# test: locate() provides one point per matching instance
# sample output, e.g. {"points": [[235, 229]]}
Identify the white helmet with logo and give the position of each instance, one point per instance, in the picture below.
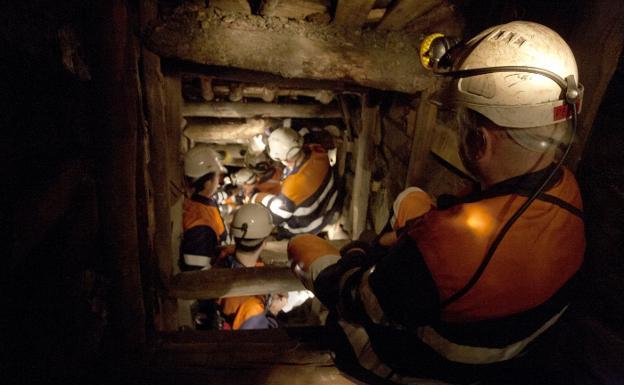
{"points": [[258, 161], [201, 160], [514, 98], [284, 144], [252, 222], [244, 176]]}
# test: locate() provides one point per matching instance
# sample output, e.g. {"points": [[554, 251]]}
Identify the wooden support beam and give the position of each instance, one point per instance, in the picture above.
{"points": [[268, 93], [119, 206], [403, 11], [596, 62], [298, 49], [174, 126], [293, 356], [364, 153], [154, 98], [424, 133], [260, 110], [434, 19], [233, 6], [293, 9], [198, 131], [220, 283], [353, 13]]}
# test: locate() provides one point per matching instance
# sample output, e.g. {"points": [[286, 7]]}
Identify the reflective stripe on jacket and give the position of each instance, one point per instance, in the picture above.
{"points": [[522, 292], [409, 204], [307, 195], [204, 231]]}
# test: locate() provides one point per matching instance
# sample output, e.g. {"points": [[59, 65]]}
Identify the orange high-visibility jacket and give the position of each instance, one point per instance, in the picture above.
{"points": [[203, 232], [307, 195], [522, 292]]}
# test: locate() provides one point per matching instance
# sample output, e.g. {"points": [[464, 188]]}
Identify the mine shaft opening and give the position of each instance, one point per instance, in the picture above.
{"points": [[226, 110]]}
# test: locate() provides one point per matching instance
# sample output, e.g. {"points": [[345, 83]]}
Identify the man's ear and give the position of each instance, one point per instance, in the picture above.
{"points": [[477, 143]]}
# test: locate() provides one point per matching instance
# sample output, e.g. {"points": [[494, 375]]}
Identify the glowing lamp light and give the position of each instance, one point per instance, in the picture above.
{"points": [[479, 221]]}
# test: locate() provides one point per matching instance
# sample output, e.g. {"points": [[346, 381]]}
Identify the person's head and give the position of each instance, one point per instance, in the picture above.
{"points": [[285, 145], [245, 178], [251, 225], [511, 120], [202, 168], [259, 162]]}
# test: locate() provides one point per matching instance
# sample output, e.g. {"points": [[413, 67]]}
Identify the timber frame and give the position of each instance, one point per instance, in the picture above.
{"points": [[172, 47]]}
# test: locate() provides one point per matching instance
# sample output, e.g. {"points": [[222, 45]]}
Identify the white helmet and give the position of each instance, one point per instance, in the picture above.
{"points": [[514, 98], [244, 176], [251, 222], [284, 144], [258, 161], [201, 160]]}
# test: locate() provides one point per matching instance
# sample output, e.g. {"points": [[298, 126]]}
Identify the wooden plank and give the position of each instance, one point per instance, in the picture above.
{"points": [[270, 356], [154, 95], [363, 167], [403, 11], [174, 126], [260, 110], [298, 49], [233, 6], [596, 62], [257, 77], [353, 13], [432, 20], [268, 93], [293, 9], [229, 132], [121, 95], [424, 133], [220, 283]]}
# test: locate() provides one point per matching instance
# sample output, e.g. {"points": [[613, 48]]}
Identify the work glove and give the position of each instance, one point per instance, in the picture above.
{"points": [[309, 255]]}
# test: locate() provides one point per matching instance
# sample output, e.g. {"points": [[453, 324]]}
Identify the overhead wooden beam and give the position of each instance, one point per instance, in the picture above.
{"points": [[403, 11], [387, 61], [235, 6], [220, 283], [293, 9], [260, 110], [353, 13], [229, 132]]}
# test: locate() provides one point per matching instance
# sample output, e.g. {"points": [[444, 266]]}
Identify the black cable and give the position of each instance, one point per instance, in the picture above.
{"points": [[501, 234], [482, 71]]}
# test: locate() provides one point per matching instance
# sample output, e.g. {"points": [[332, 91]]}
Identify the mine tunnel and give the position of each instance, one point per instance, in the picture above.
{"points": [[105, 104]]}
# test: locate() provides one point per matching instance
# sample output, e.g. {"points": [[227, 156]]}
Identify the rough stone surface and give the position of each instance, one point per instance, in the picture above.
{"points": [[291, 48]]}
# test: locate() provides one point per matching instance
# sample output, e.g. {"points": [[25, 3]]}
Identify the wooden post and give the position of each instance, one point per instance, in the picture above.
{"points": [[352, 13], [121, 96], [174, 126], [403, 11], [597, 42], [363, 164], [424, 132], [158, 167]]}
